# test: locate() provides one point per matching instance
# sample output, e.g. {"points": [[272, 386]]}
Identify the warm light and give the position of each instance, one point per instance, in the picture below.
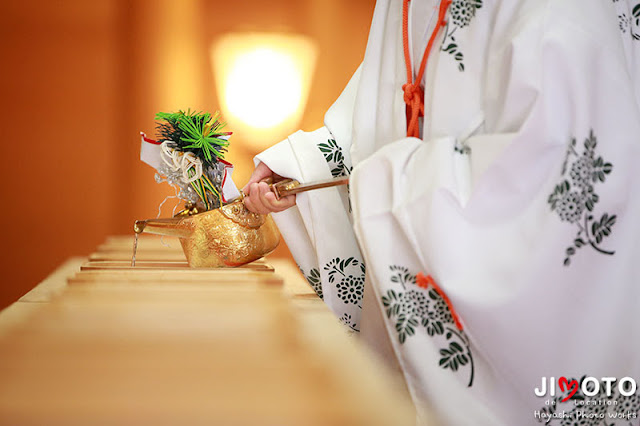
{"points": [[264, 87], [263, 82]]}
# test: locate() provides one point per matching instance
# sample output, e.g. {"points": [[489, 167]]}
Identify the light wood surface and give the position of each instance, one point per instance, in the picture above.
{"points": [[99, 342]]}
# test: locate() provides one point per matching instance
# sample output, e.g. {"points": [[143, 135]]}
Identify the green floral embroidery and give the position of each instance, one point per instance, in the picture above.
{"points": [[348, 276], [346, 320], [574, 198], [631, 23], [335, 159], [604, 409], [461, 12], [624, 22], [314, 281], [415, 308]]}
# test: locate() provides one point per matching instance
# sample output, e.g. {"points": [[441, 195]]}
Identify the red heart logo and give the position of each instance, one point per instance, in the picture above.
{"points": [[568, 385]]}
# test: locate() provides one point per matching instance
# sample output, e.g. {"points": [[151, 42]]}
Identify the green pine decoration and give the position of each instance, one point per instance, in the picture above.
{"points": [[199, 133]]}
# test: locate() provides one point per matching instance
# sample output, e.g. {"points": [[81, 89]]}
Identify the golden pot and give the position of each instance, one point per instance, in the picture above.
{"points": [[225, 237]]}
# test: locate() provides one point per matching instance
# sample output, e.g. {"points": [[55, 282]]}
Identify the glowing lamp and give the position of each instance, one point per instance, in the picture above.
{"points": [[263, 82]]}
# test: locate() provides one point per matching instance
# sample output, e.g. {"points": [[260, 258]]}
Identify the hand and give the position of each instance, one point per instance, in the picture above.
{"points": [[259, 198]]}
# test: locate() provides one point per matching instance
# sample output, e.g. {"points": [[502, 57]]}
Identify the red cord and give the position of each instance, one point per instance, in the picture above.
{"points": [[424, 282], [413, 93]]}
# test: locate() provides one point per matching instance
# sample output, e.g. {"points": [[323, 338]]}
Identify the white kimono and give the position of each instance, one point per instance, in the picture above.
{"points": [[521, 201]]}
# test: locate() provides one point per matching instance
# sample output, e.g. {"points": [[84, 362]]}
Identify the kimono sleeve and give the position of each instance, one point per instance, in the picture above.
{"points": [[318, 229]]}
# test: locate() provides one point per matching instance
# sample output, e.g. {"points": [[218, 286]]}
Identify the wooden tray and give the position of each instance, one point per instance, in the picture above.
{"points": [[95, 265]]}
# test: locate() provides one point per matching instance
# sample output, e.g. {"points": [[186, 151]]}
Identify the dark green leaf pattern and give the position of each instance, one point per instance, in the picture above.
{"points": [[574, 198], [402, 276], [603, 411], [405, 326], [602, 228], [314, 281], [453, 357], [413, 307], [334, 157], [461, 14]]}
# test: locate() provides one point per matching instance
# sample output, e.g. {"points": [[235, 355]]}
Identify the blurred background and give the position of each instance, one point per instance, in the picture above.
{"points": [[81, 79]]}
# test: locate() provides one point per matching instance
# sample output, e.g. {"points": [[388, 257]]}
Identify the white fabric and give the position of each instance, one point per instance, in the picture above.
{"points": [[229, 189], [315, 230], [150, 153], [521, 201]]}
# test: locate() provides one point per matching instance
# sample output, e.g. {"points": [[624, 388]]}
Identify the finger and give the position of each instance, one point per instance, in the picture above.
{"points": [[271, 200], [281, 204], [268, 199], [256, 200], [249, 205]]}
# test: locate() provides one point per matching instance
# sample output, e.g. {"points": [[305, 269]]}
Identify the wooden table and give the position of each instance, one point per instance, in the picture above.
{"points": [[99, 342]]}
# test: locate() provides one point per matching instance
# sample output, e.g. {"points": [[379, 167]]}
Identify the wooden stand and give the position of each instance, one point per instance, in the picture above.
{"points": [[100, 342]]}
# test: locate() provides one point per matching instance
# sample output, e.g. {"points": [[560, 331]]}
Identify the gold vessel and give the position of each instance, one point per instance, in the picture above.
{"points": [[231, 235], [225, 237]]}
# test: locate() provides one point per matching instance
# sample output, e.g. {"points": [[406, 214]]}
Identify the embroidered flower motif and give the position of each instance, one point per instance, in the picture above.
{"points": [[629, 23], [440, 310], [574, 198], [348, 276], [624, 22], [461, 12], [570, 207], [581, 171], [421, 306], [415, 303], [351, 289], [630, 404]]}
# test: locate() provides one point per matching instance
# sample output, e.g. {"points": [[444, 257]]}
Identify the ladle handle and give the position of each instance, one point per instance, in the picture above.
{"points": [[290, 186]]}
